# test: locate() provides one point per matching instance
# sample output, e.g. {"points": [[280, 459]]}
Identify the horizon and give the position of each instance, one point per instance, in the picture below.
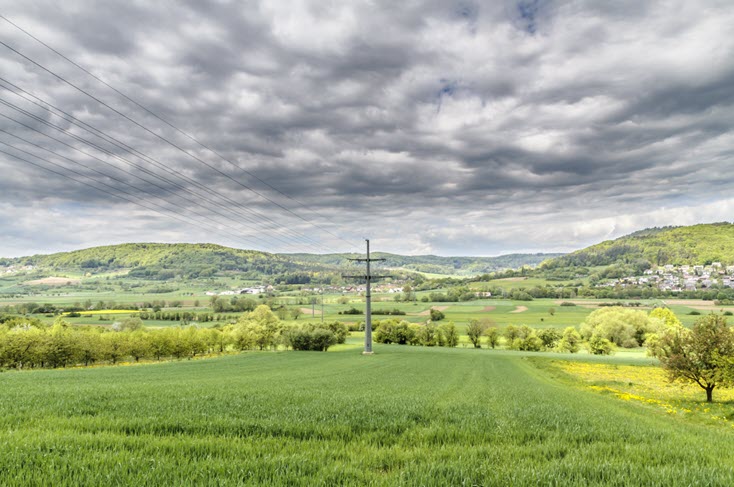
{"points": [[462, 130], [272, 253]]}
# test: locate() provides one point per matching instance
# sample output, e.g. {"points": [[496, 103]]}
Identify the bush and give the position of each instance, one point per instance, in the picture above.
{"points": [[549, 337], [437, 315], [570, 341], [598, 345], [319, 339], [568, 303], [694, 312], [393, 312], [351, 311]]}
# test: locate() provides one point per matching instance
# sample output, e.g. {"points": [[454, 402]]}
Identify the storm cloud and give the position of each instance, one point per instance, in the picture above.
{"points": [[455, 128]]}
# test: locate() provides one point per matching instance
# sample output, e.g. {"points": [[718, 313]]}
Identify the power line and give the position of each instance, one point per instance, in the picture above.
{"points": [[138, 154], [191, 137], [154, 162], [184, 220], [172, 144], [135, 188]]}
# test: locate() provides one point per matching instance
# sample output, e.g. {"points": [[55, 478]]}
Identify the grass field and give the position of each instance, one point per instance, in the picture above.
{"points": [[405, 416]]}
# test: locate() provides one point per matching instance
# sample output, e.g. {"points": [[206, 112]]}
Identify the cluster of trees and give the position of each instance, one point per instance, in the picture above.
{"points": [[452, 295], [25, 344], [524, 338], [623, 327], [262, 330], [184, 316], [28, 343], [389, 312], [428, 334], [234, 304]]}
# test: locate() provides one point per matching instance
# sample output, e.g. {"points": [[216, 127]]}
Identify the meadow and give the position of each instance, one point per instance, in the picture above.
{"points": [[405, 416]]}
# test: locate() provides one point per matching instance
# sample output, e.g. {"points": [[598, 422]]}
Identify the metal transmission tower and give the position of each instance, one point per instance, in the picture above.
{"points": [[368, 312]]}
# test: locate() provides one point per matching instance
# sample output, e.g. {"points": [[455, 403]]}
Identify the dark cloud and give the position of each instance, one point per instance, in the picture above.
{"points": [[451, 128]]}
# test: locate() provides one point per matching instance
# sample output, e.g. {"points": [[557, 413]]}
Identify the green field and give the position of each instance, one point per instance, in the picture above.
{"points": [[405, 416]]}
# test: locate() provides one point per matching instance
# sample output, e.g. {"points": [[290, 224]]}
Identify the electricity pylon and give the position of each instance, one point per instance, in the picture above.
{"points": [[368, 277]]}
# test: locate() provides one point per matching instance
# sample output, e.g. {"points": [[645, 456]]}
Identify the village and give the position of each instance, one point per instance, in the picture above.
{"points": [[679, 278]]}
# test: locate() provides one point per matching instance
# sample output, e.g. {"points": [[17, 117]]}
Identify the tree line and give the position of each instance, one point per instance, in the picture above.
{"points": [[28, 343]]}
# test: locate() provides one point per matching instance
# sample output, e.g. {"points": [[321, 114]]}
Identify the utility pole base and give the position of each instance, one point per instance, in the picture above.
{"points": [[368, 353]]}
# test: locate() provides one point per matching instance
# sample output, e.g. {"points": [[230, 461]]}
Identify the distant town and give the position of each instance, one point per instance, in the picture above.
{"points": [[679, 278]]}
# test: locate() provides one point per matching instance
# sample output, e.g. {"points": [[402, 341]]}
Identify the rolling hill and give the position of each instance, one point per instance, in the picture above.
{"points": [[163, 261], [695, 244]]}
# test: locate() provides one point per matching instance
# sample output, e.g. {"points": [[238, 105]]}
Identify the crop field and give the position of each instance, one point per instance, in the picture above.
{"points": [[405, 416]]}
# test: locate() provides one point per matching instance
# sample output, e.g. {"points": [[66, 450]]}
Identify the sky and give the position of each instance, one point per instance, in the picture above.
{"points": [[436, 127]]}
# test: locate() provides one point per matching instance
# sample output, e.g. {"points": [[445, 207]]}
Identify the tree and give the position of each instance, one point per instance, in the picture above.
{"points": [[665, 316], [626, 328], [552, 311], [570, 341], [408, 294], [475, 330], [296, 312], [703, 355], [217, 305], [493, 336], [598, 345], [549, 337], [429, 335], [450, 334], [511, 333]]}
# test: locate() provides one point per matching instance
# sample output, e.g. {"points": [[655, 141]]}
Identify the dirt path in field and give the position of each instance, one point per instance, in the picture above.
{"points": [[489, 308], [54, 281], [428, 311], [519, 309], [693, 303], [307, 311]]}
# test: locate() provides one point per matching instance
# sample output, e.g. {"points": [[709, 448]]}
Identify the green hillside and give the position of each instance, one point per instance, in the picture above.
{"points": [[156, 260], [696, 244], [161, 260]]}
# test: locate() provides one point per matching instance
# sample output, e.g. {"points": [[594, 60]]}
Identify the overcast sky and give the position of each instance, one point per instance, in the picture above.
{"points": [[452, 128]]}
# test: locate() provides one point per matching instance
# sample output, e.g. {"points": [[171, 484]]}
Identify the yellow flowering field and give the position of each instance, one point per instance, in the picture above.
{"points": [[649, 385]]}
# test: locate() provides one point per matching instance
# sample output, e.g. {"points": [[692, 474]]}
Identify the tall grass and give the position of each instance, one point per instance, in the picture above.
{"points": [[405, 416]]}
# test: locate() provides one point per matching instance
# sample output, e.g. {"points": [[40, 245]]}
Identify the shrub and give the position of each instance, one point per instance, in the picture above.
{"points": [[694, 312], [570, 341], [437, 315], [568, 303], [598, 345], [318, 339], [549, 337]]}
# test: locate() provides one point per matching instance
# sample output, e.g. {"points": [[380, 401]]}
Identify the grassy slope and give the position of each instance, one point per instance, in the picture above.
{"points": [[410, 416]]}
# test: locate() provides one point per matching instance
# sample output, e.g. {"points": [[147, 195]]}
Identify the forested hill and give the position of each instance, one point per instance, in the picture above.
{"points": [[696, 244], [163, 261], [160, 260], [432, 263]]}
